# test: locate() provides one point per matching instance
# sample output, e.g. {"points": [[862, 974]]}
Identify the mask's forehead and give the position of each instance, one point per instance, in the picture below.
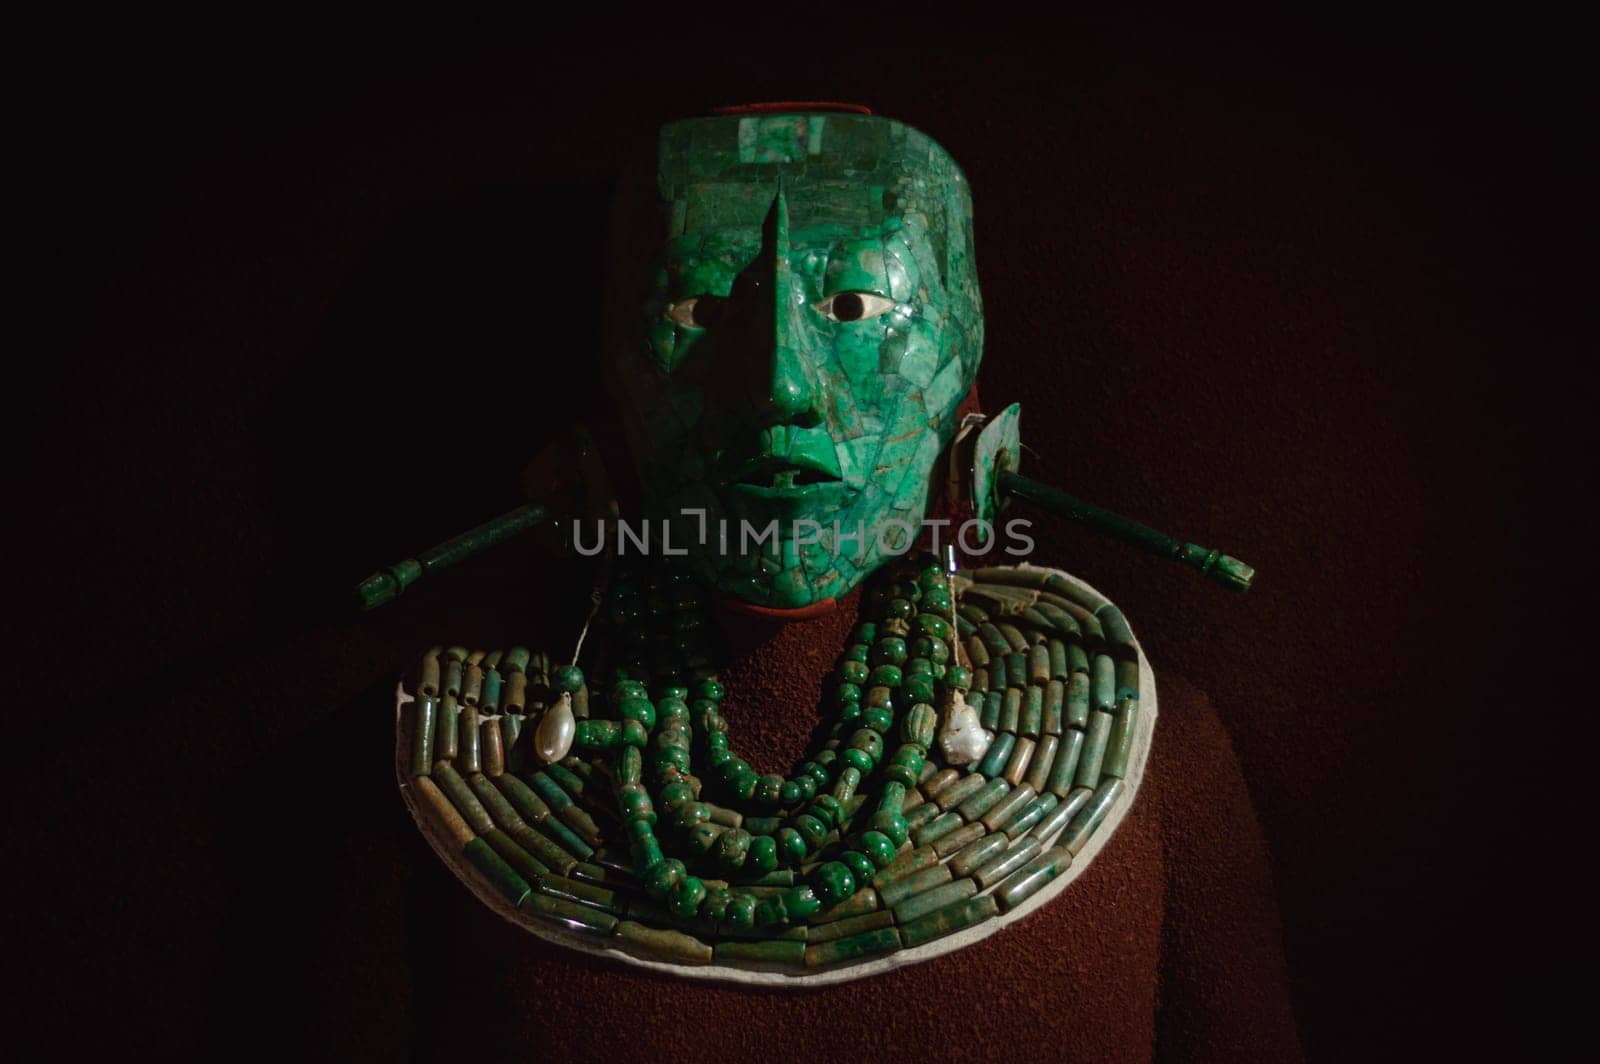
{"points": [[851, 171]]}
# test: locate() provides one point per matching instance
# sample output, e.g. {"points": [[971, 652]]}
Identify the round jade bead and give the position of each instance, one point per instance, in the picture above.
{"points": [[635, 734], [568, 678], [893, 825], [878, 719], [869, 742], [674, 692], [856, 652], [827, 809], [743, 784], [890, 650], [733, 848], [625, 689], [646, 854], [789, 793], [855, 672], [675, 710], [878, 847], [701, 838], [711, 689], [690, 814], [887, 676], [715, 907], [919, 688], [817, 771], [959, 677], [807, 784], [638, 709], [671, 757], [792, 847], [846, 693], [864, 633], [634, 802], [801, 902], [936, 600], [908, 589], [900, 609], [812, 830], [770, 911], [931, 624], [686, 896], [917, 667], [667, 875], [833, 882], [860, 865], [769, 789], [849, 711], [676, 794], [931, 577], [858, 759], [741, 914], [763, 853]]}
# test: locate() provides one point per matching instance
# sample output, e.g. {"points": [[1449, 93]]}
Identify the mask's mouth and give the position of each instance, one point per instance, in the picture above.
{"points": [[781, 474]]}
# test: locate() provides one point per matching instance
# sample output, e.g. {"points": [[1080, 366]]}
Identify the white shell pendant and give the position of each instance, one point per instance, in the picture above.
{"points": [[553, 740], [963, 738]]}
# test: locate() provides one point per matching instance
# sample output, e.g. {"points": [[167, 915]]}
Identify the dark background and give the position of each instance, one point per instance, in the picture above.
{"points": [[298, 298]]}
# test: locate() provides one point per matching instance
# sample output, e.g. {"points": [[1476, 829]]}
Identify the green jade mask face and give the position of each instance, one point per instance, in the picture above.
{"points": [[796, 319]]}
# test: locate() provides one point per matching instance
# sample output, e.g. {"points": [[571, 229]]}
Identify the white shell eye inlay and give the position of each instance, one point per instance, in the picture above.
{"points": [[854, 306], [698, 312]]}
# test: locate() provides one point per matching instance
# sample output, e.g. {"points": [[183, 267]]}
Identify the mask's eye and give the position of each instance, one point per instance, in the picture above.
{"points": [[699, 312], [854, 306]]}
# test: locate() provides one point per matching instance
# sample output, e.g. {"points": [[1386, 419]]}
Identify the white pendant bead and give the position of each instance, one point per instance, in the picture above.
{"points": [[553, 740], [963, 738]]}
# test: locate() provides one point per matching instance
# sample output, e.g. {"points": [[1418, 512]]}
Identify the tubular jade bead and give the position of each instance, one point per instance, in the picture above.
{"points": [[777, 953], [937, 828], [1019, 853], [1017, 670], [1030, 814], [1044, 756], [1008, 807], [470, 755], [951, 918], [1013, 636], [422, 735], [921, 815], [851, 926], [596, 897], [1011, 709], [974, 808], [1078, 700], [510, 732], [527, 866], [1017, 767], [1120, 745], [896, 891], [913, 860], [851, 948], [530, 805], [1103, 683], [428, 683], [974, 854], [574, 916], [495, 869], [675, 946], [1061, 815], [448, 816], [1066, 766], [939, 781], [461, 796], [864, 900], [1058, 660], [958, 839], [937, 898], [990, 715], [1032, 712], [494, 754], [1094, 749], [1039, 664], [994, 762], [1090, 816], [446, 743], [1055, 698], [961, 790]]}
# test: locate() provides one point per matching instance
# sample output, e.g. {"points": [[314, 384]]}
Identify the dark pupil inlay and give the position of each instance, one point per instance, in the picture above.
{"points": [[847, 306]]}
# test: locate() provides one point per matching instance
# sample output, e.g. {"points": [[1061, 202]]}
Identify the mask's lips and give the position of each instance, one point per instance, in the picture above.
{"points": [[770, 471]]}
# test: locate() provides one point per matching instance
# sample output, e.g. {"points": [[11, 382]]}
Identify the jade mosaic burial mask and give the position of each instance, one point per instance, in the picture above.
{"points": [[795, 320]]}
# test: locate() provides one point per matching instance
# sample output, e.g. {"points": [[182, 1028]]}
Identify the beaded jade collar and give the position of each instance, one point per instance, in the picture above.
{"points": [[988, 732]]}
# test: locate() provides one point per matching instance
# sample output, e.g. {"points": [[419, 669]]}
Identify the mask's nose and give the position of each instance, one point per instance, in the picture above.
{"points": [[788, 390]]}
